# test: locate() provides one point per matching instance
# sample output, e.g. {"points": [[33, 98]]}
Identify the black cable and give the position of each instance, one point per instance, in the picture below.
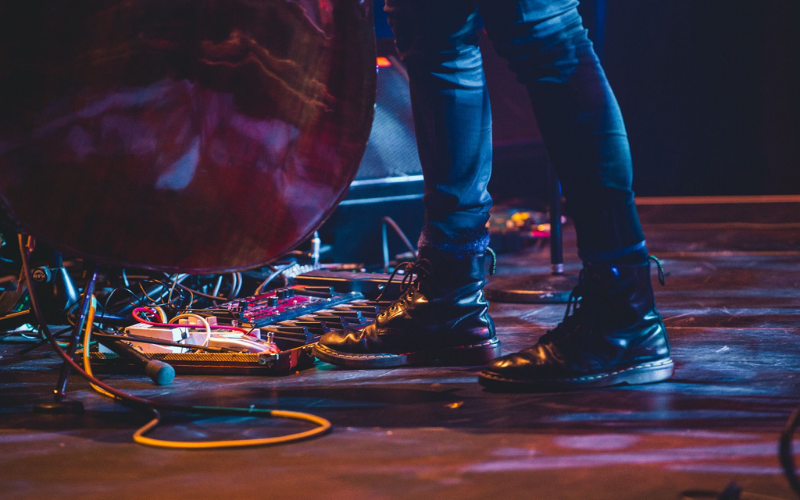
{"points": [[400, 233], [217, 286], [43, 341], [192, 299], [785, 451], [39, 343], [122, 397], [154, 302], [70, 310], [172, 289], [124, 289], [272, 276], [385, 240], [151, 299], [111, 294], [104, 316], [164, 287], [283, 276], [236, 287], [201, 294]]}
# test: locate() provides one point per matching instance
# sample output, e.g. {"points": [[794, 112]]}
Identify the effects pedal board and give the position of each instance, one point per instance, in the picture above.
{"points": [[281, 304], [298, 315], [213, 363], [293, 318], [370, 285]]}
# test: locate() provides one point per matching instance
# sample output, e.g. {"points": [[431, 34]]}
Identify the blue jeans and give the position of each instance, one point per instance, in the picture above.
{"points": [[547, 47]]}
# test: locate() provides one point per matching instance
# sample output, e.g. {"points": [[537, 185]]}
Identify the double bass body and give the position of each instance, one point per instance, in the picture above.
{"points": [[191, 135]]}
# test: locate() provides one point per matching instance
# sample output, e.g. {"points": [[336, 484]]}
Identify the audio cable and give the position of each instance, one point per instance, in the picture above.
{"points": [[323, 426]]}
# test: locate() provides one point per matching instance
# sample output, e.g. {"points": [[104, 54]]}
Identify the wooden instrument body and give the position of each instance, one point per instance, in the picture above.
{"points": [[182, 135]]}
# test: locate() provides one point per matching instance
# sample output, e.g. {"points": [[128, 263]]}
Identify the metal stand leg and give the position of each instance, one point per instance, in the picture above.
{"points": [[61, 404], [556, 238], [553, 288]]}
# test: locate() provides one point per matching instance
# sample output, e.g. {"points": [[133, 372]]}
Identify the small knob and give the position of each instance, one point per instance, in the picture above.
{"points": [[42, 275]]}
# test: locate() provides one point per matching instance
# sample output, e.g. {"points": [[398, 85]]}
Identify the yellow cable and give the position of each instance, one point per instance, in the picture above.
{"points": [[323, 425], [87, 336]]}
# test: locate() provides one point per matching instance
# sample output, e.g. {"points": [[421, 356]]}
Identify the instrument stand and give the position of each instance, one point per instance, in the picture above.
{"points": [[61, 404], [55, 291], [553, 288]]}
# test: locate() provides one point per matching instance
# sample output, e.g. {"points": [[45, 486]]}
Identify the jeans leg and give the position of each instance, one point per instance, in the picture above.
{"points": [[437, 40], [548, 48]]}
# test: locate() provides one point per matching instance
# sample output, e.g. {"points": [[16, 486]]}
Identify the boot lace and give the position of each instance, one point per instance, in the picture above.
{"points": [[660, 265], [415, 273], [577, 314]]}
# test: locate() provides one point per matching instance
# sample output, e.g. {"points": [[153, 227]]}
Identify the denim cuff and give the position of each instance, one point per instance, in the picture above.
{"points": [[463, 243]]}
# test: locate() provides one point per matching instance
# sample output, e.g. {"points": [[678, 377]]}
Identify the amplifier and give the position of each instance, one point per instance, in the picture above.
{"points": [[389, 181]]}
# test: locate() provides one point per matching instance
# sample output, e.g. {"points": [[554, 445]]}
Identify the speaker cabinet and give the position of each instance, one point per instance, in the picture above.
{"points": [[389, 180]]}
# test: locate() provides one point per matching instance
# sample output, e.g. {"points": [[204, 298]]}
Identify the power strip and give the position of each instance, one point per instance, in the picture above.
{"points": [[180, 334]]}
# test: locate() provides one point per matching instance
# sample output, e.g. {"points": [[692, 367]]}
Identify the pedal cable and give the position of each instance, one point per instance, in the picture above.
{"points": [[135, 402]]}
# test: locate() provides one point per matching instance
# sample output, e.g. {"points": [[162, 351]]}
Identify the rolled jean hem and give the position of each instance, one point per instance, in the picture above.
{"points": [[464, 243]]}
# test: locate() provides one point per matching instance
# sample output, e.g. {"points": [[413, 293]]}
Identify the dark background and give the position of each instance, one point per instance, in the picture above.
{"points": [[708, 88]]}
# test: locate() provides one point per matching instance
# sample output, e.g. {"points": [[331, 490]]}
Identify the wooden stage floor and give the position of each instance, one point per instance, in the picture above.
{"points": [[732, 308]]}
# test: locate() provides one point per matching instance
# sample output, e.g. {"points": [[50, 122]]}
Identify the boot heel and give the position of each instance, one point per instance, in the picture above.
{"points": [[470, 355]]}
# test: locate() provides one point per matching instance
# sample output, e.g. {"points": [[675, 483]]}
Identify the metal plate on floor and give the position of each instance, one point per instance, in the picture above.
{"points": [[533, 289]]}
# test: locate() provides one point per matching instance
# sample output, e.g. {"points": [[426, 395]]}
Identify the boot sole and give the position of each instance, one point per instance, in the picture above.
{"points": [[645, 373], [468, 355]]}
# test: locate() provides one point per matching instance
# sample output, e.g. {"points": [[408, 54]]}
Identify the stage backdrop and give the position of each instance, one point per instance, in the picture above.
{"points": [[709, 90]]}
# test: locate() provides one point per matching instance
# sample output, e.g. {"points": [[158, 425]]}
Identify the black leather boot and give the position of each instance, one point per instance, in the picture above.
{"points": [[441, 317], [611, 334]]}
